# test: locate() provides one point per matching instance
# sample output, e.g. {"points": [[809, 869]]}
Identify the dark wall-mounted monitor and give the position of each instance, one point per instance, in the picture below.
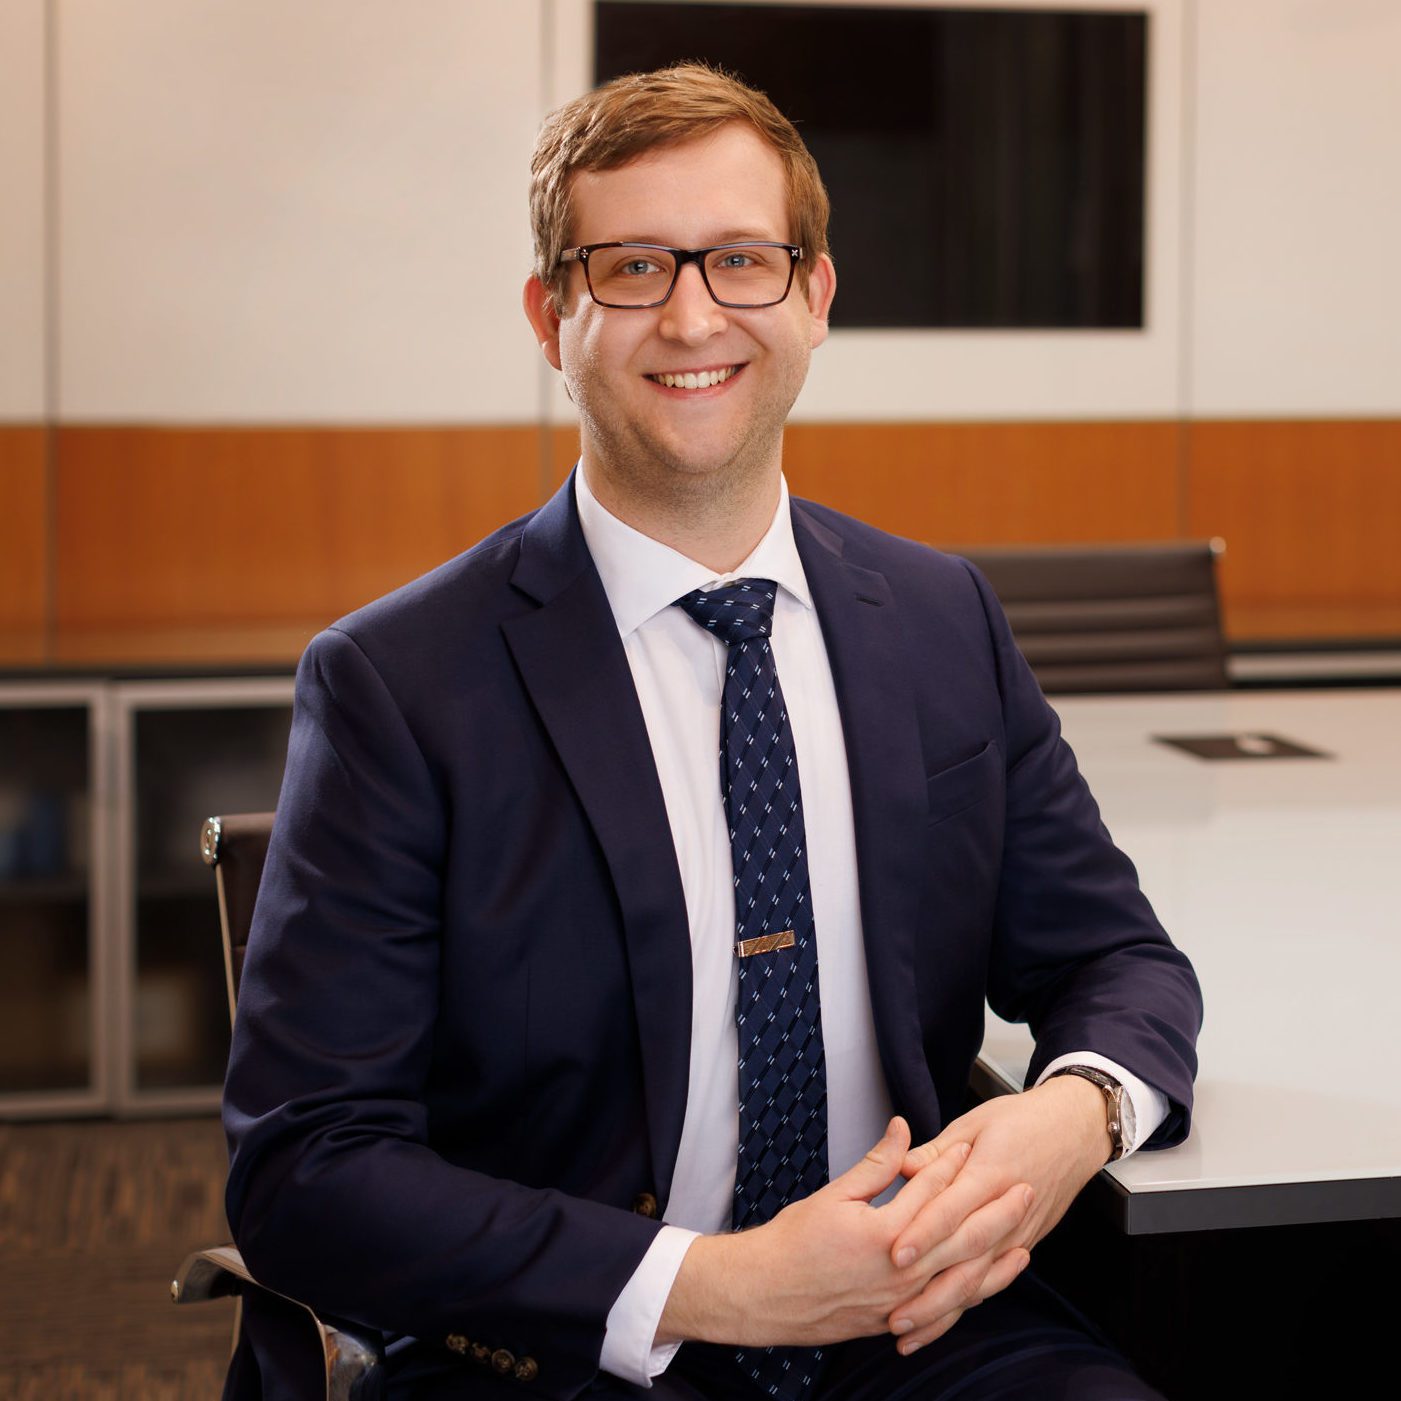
{"points": [[986, 166]]}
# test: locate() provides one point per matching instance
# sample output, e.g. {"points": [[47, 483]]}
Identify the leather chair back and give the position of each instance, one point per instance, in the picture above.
{"points": [[236, 847], [1113, 618]]}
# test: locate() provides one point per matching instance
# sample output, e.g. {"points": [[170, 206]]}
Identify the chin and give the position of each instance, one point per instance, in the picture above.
{"points": [[731, 463]]}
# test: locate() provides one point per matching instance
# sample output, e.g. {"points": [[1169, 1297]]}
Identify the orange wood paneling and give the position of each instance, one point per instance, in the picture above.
{"points": [[1310, 510], [234, 544], [982, 483], [23, 544], [212, 546], [994, 483], [1311, 515], [563, 454]]}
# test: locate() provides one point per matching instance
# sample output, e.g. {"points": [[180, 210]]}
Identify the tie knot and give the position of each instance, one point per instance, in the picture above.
{"points": [[734, 612]]}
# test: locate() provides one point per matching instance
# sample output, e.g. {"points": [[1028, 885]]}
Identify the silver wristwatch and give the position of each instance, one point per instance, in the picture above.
{"points": [[1117, 1104]]}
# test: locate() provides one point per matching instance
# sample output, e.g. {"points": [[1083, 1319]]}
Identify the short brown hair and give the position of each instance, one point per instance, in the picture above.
{"points": [[628, 117]]}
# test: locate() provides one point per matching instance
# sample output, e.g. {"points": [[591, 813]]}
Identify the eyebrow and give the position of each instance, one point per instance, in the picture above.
{"points": [[727, 236]]}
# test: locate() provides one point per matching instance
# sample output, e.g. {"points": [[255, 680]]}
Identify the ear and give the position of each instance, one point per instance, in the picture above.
{"points": [[822, 287], [544, 319]]}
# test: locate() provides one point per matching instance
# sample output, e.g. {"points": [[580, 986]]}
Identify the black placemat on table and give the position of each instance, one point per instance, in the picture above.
{"points": [[1249, 744]]}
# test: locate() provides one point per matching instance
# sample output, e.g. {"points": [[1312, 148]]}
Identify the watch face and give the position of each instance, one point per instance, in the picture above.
{"points": [[1128, 1119]]}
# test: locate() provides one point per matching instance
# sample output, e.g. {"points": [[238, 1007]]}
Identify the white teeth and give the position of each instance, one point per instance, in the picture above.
{"points": [[702, 379]]}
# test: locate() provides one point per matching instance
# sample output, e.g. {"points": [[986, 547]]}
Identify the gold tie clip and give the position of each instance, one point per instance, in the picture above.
{"points": [[765, 943]]}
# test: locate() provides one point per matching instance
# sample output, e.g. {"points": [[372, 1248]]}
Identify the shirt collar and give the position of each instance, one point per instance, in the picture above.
{"points": [[641, 576]]}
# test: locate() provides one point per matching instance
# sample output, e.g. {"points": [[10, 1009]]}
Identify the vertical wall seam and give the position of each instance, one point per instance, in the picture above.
{"points": [[1186, 289], [49, 253], [544, 433]]}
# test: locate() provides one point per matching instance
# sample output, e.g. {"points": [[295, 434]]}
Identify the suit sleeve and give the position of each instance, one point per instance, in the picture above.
{"points": [[335, 1196], [1079, 954]]}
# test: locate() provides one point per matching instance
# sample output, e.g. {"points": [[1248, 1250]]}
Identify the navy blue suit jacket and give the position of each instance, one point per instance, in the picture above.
{"points": [[463, 1034]]}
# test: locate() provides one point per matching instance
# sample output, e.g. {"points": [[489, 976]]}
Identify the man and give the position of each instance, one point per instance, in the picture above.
{"points": [[515, 941]]}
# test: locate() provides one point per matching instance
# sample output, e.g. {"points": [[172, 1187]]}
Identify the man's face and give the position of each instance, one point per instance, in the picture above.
{"points": [[637, 433]]}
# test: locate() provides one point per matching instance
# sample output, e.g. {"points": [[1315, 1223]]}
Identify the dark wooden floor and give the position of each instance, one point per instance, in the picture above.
{"points": [[94, 1219]]}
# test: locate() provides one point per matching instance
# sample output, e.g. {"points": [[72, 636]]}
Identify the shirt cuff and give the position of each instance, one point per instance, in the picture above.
{"points": [[637, 1312], [1149, 1106]]}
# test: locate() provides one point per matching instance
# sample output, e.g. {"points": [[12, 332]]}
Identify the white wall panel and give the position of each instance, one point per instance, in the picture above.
{"points": [[22, 210], [309, 211], [1296, 305], [270, 212], [900, 375]]}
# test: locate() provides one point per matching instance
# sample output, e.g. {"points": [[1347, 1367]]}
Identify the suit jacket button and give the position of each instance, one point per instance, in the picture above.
{"points": [[503, 1361], [481, 1353], [527, 1369], [645, 1204], [456, 1342]]}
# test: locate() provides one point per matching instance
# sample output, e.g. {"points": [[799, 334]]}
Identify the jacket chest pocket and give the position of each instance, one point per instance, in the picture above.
{"points": [[964, 784]]}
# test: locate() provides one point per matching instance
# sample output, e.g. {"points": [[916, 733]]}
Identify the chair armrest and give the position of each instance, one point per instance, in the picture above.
{"points": [[210, 1274], [354, 1357]]}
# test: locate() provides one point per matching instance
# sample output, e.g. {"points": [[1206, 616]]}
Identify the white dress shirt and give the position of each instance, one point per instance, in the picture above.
{"points": [[678, 669]]}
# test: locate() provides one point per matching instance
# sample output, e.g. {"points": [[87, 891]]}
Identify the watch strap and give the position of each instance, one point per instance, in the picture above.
{"points": [[1113, 1101]]}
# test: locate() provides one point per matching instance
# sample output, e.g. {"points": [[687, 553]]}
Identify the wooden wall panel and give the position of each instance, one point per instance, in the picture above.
{"points": [[1310, 510], [1311, 515], [23, 545], [982, 483], [231, 546], [994, 483], [235, 544], [564, 453]]}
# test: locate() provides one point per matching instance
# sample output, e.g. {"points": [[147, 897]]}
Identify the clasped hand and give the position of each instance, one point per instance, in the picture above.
{"points": [[832, 1267]]}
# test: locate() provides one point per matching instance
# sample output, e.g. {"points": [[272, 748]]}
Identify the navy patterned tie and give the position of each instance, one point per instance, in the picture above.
{"points": [[782, 1074]]}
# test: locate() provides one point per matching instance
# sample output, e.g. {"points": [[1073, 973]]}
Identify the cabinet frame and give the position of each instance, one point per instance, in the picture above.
{"points": [[112, 707], [129, 698], [96, 1096]]}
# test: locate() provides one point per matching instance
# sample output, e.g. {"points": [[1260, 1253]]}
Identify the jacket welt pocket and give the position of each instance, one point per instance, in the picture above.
{"points": [[964, 784]]}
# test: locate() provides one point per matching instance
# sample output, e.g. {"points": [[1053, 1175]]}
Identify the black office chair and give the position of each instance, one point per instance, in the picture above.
{"points": [[1113, 617], [236, 848]]}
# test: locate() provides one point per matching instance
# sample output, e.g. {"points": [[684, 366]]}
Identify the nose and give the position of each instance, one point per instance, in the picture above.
{"points": [[691, 315]]}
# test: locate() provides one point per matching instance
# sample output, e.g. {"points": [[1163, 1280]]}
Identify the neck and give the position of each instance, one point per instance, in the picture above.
{"points": [[717, 526]]}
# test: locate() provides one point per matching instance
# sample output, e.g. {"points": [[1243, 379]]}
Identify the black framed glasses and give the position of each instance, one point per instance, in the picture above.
{"points": [[636, 275]]}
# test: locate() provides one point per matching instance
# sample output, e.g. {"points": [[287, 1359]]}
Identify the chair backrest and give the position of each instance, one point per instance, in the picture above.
{"points": [[236, 847], [1115, 617]]}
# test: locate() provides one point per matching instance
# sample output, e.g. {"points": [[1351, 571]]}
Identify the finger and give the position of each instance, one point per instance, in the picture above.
{"points": [[878, 1169], [946, 1297], [964, 1129], [923, 1188], [971, 1284], [923, 1154], [1004, 1270], [939, 1214], [945, 1300], [999, 1275], [955, 1291], [924, 1336], [937, 1246]]}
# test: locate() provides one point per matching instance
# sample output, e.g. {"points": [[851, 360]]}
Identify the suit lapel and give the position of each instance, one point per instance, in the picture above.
{"points": [[573, 665], [875, 693]]}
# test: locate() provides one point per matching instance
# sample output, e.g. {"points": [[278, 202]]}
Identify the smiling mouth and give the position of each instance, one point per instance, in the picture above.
{"points": [[697, 379]]}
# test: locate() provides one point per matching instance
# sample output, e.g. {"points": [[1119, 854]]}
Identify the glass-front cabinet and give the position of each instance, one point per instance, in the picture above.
{"points": [[54, 918], [112, 993], [186, 751]]}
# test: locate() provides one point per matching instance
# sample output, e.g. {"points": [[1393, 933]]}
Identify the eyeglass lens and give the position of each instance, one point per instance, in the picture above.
{"points": [[635, 275]]}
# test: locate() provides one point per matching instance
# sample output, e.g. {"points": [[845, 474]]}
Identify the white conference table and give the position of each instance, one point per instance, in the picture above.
{"points": [[1281, 879]]}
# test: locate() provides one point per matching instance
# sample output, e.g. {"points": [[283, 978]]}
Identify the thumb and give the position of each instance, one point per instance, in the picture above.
{"points": [[879, 1168]]}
